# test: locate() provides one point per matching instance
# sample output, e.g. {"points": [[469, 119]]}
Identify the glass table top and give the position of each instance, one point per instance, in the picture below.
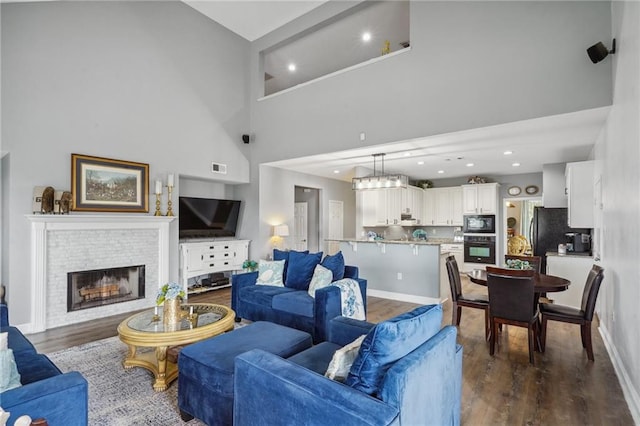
{"points": [[193, 316]]}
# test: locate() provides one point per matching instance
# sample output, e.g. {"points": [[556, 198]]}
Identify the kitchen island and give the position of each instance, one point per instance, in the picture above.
{"points": [[408, 271]]}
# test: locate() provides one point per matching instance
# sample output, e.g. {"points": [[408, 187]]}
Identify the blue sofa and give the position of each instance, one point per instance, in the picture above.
{"points": [[61, 399], [290, 307], [421, 387]]}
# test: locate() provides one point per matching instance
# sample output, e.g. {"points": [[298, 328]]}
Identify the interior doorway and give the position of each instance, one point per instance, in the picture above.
{"points": [[516, 227], [306, 228]]}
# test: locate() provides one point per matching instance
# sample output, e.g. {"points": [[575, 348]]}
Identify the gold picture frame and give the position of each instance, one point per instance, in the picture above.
{"points": [[107, 185]]}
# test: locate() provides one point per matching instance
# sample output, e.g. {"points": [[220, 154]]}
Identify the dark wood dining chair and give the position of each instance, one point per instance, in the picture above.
{"points": [[534, 261], [512, 301], [582, 316], [477, 301]]}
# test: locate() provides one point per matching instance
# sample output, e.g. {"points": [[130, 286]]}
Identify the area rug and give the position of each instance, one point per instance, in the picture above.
{"points": [[119, 397]]}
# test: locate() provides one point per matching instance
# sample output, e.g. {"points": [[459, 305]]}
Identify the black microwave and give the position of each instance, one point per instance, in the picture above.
{"points": [[479, 224]]}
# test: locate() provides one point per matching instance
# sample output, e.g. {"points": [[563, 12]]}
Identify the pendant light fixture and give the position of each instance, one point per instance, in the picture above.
{"points": [[379, 181]]}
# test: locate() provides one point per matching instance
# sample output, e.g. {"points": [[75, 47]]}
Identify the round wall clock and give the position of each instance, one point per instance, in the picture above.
{"points": [[514, 190], [531, 189]]}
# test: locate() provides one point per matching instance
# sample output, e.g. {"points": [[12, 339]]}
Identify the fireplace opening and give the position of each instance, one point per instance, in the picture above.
{"points": [[99, 287]]}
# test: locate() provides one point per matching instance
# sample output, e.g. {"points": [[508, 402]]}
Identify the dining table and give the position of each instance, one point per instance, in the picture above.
{"points": [[542, 283]]}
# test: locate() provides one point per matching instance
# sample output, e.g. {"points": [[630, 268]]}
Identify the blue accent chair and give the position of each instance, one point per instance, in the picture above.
{"points": [[290, 307], [422, 387], [61, 399]]}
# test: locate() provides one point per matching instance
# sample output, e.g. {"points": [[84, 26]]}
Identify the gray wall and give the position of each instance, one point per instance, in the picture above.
{"points": [[617, 156], [505, 61], [277, 195], [154, 82]]}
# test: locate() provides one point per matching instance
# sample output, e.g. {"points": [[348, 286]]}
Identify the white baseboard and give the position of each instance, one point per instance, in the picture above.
{"points": [[630, 393], [421, 300]]}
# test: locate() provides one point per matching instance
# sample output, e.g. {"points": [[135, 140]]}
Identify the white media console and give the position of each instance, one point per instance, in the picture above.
{"points": [[206, 257]]}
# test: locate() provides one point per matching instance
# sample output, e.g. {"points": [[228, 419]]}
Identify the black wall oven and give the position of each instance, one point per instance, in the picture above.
{"points": [[480, 249], [479, 224]]}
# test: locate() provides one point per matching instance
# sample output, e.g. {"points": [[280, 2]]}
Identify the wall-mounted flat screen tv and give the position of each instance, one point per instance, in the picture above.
{"points": [[207, 217]]}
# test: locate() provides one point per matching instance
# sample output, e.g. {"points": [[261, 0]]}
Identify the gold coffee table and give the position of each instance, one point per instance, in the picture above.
{"points": [[146, 330]]}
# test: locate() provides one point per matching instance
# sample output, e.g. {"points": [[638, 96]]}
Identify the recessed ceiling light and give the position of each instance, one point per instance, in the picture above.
{"points": [[407, 154], [508, 152], [292, 67], [336, 171], [420, 163], [366, 36], [470, 164], [516, 164], [440, 171]]}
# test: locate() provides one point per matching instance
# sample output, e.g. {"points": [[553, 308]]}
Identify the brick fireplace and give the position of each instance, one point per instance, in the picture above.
{"points": [[66, 244]]}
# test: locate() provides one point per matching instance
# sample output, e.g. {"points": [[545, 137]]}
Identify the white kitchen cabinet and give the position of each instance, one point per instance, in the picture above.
{"points": [[380, 207], [575, 269], [367, 206], [429, 207], [480, 198], [411, 199], [443, 206], [448, 206], [206, 257], [393, 201], [580, 193]]}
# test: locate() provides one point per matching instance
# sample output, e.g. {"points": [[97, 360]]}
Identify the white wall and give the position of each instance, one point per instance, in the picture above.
{"points": [[277, 197], [617, 156], [154, 82]]}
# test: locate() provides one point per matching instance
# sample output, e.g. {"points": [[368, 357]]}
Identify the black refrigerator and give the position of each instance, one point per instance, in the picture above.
{"points": [[548, 229]]}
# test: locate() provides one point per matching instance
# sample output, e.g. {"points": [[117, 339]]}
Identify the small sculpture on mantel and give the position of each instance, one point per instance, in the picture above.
{"points": [[47, 200], [65, 202]]}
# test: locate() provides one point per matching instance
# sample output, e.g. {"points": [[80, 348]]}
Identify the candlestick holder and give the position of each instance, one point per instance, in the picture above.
{"points": [[169, 203], [158, 212]]}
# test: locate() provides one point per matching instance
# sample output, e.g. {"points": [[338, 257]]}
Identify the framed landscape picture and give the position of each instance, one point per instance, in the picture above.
{"points": [[106, 185]]}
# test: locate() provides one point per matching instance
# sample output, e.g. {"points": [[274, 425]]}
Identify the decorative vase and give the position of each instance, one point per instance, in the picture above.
{"points": [[171, 313]]}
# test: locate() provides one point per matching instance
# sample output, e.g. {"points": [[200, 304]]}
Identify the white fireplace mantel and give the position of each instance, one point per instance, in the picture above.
{"points": [[41, 225]]}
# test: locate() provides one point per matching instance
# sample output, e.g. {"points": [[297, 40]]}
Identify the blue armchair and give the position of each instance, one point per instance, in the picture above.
{"points": [[290, 307], [421, 387], [61, 399]]}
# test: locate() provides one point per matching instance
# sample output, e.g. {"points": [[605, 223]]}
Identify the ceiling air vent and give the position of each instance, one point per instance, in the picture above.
{"points": [[219, 168]]}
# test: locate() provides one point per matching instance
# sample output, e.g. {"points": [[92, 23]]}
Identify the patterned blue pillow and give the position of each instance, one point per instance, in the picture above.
{"points": [[270, 273], [321, 278], [300, 269], [336, 264]]}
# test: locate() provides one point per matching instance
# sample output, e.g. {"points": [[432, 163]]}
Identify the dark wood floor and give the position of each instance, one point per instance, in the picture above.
{"points": [[563, 388]]}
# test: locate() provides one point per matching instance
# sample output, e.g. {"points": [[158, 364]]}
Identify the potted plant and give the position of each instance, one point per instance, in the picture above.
{"points": [[250, 265]]}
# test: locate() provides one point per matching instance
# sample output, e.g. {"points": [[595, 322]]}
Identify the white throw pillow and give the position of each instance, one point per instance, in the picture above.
{"points": [[270, 273], [322, 277], [340, 364]]}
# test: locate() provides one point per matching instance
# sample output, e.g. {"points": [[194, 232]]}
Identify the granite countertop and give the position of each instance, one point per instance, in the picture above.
{"points": [[432, 242]]}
